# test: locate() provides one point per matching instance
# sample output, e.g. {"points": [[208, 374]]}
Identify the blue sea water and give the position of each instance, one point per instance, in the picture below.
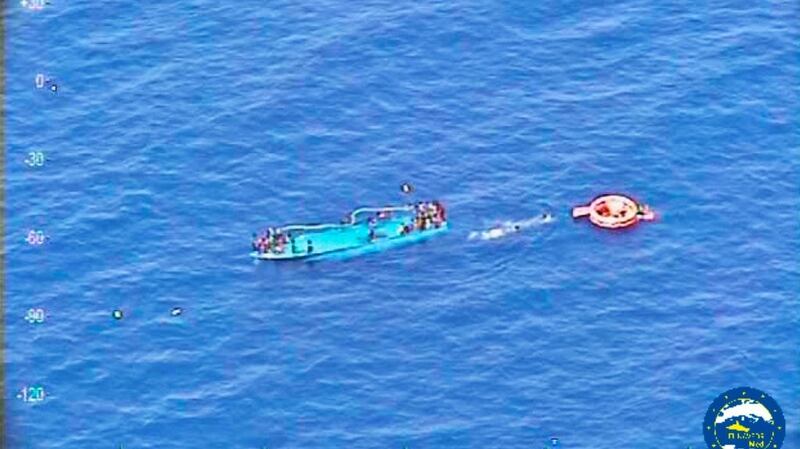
{"points": [[179, 128]]}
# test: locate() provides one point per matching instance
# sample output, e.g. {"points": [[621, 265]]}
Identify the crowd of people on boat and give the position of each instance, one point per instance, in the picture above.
{"points": [[274, 240], [428, 215]]}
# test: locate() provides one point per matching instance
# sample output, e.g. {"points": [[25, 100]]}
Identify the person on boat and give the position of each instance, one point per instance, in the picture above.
{"points": [[440, 212], [437, 214], [421, 216], [256, 242], [260, 243], [274, 240]]}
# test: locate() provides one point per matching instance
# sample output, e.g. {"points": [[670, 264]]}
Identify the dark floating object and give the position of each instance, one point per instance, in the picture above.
{"points": [[117, 314], [54, 87], [176, 311], [406, 188]]}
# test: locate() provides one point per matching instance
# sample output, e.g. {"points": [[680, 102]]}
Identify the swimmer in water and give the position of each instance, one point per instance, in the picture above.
{"points": [[493, 233], [511, 227], [498, 231]]}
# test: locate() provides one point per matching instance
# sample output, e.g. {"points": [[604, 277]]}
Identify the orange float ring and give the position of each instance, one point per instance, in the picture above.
{"points": [[614, 211]]}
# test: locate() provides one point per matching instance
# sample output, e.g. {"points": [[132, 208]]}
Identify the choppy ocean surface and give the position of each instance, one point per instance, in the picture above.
{"points": [[179, 128]]}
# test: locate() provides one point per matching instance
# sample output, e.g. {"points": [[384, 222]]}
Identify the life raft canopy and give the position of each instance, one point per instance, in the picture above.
{"points": [[614, 211]]}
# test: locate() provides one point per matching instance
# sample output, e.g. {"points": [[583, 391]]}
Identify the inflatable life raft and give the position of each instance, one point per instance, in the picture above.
{"points": [[614, 211]]}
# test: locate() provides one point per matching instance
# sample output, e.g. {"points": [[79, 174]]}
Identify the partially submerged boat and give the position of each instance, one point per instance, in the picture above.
{"points": [[367, 229]]}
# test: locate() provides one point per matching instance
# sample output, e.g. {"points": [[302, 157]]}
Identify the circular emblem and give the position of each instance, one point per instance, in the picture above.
{"points": [[744, 418]]}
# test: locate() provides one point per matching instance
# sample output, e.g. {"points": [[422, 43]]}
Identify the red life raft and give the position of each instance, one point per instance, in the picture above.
{"points": [[614, 211]]}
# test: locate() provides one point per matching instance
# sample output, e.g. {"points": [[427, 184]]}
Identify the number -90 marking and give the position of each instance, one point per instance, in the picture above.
{"points": [[36, 5], [35, 316]]}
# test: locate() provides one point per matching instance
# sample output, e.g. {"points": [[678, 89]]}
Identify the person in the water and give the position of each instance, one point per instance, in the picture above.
{"points": [[507, 228]]}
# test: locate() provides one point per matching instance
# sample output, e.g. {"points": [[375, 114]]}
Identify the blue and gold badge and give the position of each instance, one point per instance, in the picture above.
{"points": [[744, 418]]}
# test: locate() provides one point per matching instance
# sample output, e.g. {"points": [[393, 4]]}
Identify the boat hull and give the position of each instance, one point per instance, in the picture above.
{"points": [[352, 240]]}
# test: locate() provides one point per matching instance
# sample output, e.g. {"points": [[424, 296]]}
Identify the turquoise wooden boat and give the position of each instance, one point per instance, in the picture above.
{"points": [[368, 229]]}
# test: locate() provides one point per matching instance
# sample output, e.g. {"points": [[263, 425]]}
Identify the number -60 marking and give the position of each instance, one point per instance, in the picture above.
{"points": [[35, 237]]}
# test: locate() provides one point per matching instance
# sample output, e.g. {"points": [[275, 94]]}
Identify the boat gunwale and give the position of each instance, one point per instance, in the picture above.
{"points": [[352, 215]]}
